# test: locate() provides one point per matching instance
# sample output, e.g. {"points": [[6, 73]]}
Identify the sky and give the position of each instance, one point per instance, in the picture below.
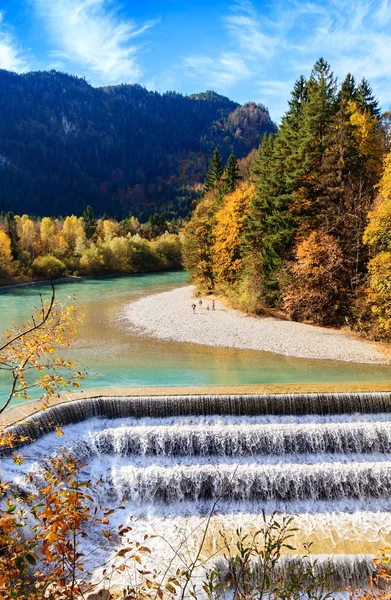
{"points": [[248, 50]]}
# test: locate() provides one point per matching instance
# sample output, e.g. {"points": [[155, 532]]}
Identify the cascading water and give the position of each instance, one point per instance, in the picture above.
{"points": [[325, 458]]}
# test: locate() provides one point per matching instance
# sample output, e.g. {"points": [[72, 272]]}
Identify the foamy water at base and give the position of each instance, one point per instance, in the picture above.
{"points": [[332, 472]]}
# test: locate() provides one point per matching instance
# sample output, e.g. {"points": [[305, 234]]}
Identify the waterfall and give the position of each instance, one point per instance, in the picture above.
{"points": [[348, 570], [175, 406], [324, 457]]}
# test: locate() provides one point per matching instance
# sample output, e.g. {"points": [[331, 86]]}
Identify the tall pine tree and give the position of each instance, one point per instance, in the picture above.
{"points": [[231, 174], [215, 172], [89, 222]]}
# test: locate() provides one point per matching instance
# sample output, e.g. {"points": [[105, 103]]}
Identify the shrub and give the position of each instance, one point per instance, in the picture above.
{"points": [[49, 267]]}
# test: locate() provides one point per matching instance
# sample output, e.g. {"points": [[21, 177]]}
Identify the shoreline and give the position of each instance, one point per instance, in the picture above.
{"points": [[75, 278], [169, 316]]}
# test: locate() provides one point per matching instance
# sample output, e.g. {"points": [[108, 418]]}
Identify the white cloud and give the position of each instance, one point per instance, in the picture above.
{"points": [[272, 51], [220, 73], [11, 57], [255, 35], [248, 44], [92, 36]]}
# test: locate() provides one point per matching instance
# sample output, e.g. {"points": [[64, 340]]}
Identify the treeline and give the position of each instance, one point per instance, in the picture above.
{"points": [[308, 232], [52, 248], [65, 145]]}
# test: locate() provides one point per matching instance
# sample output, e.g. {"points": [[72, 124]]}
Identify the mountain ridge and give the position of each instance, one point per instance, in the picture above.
{"points": [[65, 144]]}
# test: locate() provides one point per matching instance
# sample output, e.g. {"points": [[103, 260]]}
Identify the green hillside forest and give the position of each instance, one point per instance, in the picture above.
{"points": [[65, 145]]}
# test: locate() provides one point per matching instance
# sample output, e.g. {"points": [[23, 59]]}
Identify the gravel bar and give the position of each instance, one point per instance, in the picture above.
{"points": [[169, 316]]}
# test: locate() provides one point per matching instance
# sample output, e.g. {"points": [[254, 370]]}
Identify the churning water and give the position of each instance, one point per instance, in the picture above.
{"points": [[325, 458]]}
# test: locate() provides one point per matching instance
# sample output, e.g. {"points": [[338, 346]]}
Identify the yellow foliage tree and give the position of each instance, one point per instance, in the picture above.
{"points": [[107, 230], [117, 254], [73, 233], [5, 255], [378, 231], [48, 235], [198, 242], [369, 137], [91, 260], [378, 235], [228, 230], [27, 234]]}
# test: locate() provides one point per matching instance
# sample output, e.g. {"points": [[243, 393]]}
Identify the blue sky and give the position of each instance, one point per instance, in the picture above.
{"points": [[247, 50]]}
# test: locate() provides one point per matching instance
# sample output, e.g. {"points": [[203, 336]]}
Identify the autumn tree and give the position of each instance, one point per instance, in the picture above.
{"points": [[198, 242], [48, 267], [29, 354], [228, 231], [27, 236], [378, 237], [73, 234], [316, 280], [5, 255], [47, 235]]}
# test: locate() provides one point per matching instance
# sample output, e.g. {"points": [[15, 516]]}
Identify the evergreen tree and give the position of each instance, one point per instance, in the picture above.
{"points": [[270, 224], [348, 89], [215, 171], [89, 222], [318, 112], [366, 99], [158, 223], [231, 175]]}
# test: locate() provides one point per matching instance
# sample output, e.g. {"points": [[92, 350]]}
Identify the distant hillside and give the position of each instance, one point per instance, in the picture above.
{"points": [[65, 144]]}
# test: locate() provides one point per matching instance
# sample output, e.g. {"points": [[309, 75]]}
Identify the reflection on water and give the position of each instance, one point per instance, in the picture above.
{"points": [[120, 357]]}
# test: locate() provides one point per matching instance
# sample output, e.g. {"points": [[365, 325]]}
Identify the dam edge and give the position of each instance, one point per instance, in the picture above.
{"points": [[21, 412]]}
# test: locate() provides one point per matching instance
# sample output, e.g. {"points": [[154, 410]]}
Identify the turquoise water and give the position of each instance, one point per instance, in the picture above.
{"points": [[107, 345]]}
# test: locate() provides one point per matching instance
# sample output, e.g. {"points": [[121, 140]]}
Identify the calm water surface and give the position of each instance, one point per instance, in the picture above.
{"points": [[108, 346]]}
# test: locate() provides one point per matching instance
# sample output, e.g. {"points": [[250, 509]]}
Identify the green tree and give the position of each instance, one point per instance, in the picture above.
{"points": [[366, 98], [89, 222], [348, 89], [231, 174], [215, 171]]}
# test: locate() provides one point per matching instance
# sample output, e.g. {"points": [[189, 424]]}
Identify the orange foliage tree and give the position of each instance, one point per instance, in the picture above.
{"points": [[316, 287]]}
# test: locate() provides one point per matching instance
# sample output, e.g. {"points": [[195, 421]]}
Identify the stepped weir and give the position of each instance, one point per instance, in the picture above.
{"points": [[324, 457]]}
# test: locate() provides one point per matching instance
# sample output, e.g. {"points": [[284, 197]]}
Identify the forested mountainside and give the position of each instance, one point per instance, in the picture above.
{"points": [[65, 145], [308, 231]]}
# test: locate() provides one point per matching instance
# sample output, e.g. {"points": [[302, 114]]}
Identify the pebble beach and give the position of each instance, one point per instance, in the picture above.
{"points": [[170, 316]]}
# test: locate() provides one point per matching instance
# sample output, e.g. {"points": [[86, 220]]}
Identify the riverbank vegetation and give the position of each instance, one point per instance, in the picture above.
{"points": [[48, 248], [307, 230]]}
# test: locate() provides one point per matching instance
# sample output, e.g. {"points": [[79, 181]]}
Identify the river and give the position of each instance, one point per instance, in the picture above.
{"points": [[117, 356]]}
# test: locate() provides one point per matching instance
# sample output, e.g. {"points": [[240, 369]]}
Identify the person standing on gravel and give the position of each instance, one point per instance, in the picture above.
{"points": [[194, 306]]}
